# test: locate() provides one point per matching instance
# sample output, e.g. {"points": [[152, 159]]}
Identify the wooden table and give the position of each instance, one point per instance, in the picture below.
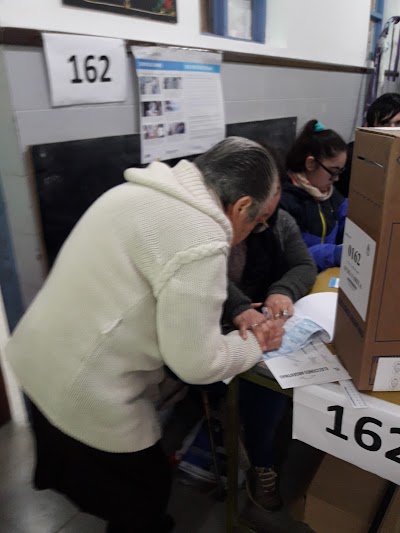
{"points": [[261, 376]]}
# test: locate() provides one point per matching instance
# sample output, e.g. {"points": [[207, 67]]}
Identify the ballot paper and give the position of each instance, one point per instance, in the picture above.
{"points": [[298, 332], [321, 309], [314, 316], [311, 365], [303, 358]]}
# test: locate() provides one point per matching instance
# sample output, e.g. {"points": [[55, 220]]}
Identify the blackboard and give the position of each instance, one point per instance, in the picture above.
{"points": [[70, 176], [9, 285], [279, 133]]}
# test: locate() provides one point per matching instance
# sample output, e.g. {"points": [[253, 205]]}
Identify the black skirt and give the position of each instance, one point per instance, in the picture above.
{"points": [[126, 488]]}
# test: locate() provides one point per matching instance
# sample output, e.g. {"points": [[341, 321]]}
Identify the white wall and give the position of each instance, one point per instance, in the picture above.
{"points": [[332, 31], [391, 9], [251, 92]]}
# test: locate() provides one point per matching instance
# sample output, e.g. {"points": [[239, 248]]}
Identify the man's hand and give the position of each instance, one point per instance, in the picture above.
{"points": [[268, 333], [279, 306]]}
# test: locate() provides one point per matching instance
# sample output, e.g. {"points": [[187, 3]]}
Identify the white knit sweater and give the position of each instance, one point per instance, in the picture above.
{"points": [[140, 282]]}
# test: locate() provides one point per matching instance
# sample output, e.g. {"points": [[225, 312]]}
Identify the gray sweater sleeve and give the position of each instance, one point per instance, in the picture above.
{"points": [[302, 271], [236, 303], [295, 283]]}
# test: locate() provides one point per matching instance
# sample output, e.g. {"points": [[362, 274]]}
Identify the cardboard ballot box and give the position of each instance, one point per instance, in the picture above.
{"points": [[367, 334]]}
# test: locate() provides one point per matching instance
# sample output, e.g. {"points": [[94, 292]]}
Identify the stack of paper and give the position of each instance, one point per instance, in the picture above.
{"points": [[303, 359]]}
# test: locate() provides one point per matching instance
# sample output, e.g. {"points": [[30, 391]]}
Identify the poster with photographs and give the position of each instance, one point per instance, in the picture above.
{"points": [[181, 104], [163, 10]]}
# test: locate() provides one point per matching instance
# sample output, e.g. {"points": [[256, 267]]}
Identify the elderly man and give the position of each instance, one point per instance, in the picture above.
{"points": [[139, 283]]}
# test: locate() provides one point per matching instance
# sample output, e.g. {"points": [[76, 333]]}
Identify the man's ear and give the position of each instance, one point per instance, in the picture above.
{"points": [[310, 163], [239, 210]]}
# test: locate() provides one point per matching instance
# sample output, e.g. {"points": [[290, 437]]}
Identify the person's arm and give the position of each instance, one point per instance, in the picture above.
{"points": [[329, 255], [239, 311], [326, 255], [236, 303], [189, 307], [301, 272]]}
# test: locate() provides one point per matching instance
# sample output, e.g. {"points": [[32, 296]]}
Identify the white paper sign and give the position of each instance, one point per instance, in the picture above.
{"points": [[368, 438], [387, 374], [181, 104], [356, 266], [85, 70]]}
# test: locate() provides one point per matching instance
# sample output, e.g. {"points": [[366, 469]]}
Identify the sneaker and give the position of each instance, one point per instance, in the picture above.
{"points": [[262, 488]]}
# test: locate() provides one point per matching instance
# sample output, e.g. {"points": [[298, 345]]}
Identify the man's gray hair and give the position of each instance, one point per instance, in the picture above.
{"points": [[237, 167]]}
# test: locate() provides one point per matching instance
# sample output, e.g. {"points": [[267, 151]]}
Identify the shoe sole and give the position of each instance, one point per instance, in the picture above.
{"points": [[269, 510]]}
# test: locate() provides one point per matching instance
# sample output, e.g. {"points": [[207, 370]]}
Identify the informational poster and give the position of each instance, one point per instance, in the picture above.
{"points": [[84, 69], [324, 417], [181, 104], [356, 266]]}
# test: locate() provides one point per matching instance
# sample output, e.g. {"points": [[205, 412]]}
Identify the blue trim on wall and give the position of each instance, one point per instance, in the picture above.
{"points": [[154, 64], [380, 6], [220, 17], [259, 20], [8, 273], [377, 18]]}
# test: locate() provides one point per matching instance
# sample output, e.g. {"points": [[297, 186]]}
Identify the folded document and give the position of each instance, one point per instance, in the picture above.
{"points": [[303, 359]]}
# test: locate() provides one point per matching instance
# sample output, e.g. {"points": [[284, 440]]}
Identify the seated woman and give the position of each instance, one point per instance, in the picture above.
{"points": [[384, 112], [314, 164], [272, 267]]}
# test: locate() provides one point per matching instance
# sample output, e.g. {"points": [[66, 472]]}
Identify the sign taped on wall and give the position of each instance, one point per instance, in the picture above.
{"points": [[85, 70], [181, 103]]}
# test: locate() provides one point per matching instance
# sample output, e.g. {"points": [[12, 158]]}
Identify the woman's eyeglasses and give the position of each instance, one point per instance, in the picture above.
{"points": [[332, 173]]}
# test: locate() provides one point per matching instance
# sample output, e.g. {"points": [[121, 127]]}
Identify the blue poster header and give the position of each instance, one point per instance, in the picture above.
{"points": [[151, 64]]}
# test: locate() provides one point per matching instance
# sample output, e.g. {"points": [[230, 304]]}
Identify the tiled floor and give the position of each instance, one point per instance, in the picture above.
{"points": [[24, 510]]}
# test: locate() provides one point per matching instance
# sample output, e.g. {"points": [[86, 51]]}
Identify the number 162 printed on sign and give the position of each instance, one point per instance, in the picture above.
{"points": [[90, 70], [366, 438], [324, 418], [85, 70]]}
